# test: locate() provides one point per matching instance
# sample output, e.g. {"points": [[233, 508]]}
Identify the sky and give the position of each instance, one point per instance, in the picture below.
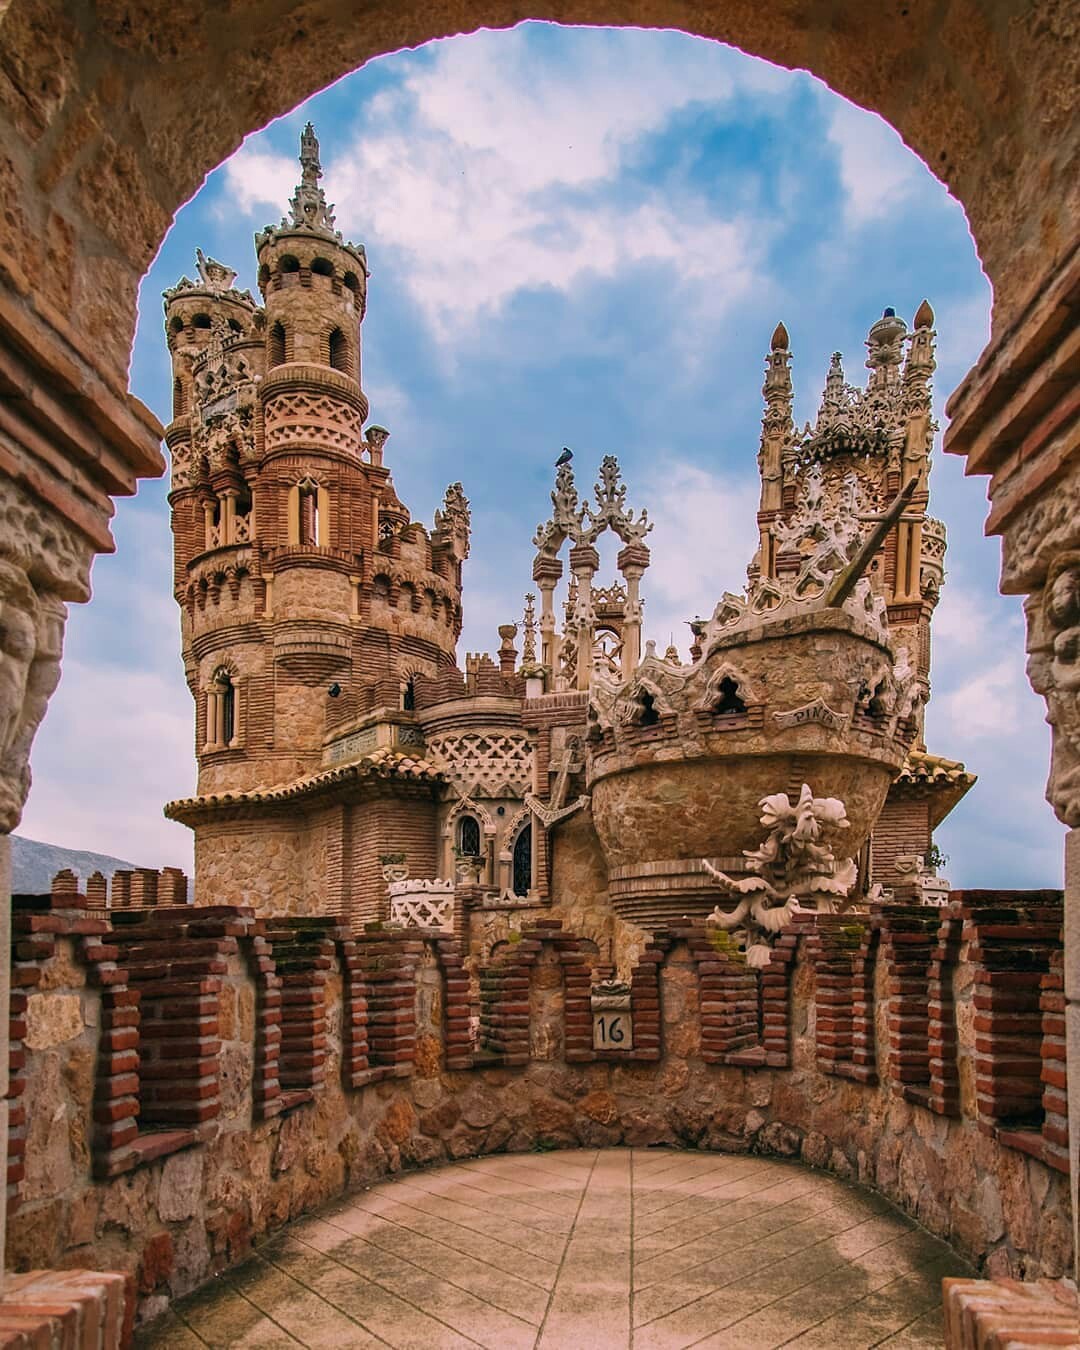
{"points": [[578, 237]]}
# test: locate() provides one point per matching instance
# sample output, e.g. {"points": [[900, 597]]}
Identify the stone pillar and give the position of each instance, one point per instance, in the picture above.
{"points": [[546, 574], [584, 560], [632, 562]]}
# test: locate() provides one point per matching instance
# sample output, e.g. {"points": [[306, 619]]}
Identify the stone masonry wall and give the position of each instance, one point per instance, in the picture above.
{"points": [[190, 1078]]}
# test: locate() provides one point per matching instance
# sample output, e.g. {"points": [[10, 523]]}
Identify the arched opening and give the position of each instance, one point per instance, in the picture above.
{"points": [[408, 696], [337, 351], [221, 711], [523, 860], [288, 265], [322, 267], [728, 699], [309, 523], [468, 837]]}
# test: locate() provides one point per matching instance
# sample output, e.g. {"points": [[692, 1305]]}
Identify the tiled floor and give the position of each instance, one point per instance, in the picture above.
{"points": [[622, 1247]]}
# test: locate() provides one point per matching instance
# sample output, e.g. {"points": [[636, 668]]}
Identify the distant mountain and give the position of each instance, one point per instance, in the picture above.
{"points": [[33, 865]]}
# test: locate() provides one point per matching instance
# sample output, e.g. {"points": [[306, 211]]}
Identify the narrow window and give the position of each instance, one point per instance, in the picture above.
{"points": [[179, 398], [469, 836], [408, 697], [227, 696], [338, 351], [309, 513], [523, 860], [275, 351]]}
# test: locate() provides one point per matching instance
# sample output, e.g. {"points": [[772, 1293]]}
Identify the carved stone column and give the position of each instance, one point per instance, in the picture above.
{"points": [[1015, 417], [69, 442]]}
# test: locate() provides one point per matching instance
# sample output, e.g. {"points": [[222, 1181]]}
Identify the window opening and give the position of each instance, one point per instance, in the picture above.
{"points": [[728, 700], [408, 697], [523, 860], [649, 716], [469, 836]]}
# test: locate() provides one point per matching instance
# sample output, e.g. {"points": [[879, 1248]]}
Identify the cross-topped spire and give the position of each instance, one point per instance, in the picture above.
{"points": [[309, 205]]}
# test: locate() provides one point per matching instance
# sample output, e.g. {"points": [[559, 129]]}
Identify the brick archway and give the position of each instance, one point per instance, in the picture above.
{"points": [[112, 113]]}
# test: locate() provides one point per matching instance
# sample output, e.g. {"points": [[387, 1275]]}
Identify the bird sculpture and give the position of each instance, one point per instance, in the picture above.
{"points": [[565, 458]]}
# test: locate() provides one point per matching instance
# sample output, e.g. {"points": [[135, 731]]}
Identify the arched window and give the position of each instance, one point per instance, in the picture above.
{"points": [[352, 282], [221, 711], [322, 267], [201, 321], [337, 345], [728, 699], [523, 860], [468, 834], [276, 345], [288, 263], [179, 398], [408, 697], [649, 716], [309, 513]]}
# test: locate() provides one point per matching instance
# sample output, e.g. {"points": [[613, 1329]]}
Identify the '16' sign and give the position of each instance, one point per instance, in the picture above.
{"points": [[613, 1031]]}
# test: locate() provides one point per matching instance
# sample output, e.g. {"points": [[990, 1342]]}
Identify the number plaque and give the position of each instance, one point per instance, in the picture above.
{"points": [[612, 1031], [612, 1019]]}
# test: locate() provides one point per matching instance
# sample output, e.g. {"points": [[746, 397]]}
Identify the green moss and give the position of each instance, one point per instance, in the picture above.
{"points": [[723, 942], [513, 936]]}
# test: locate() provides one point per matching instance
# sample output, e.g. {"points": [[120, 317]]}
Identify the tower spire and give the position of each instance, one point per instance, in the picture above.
{"points": [[309, 205]]}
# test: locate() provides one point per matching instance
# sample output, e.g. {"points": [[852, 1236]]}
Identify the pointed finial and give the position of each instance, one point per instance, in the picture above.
{"points": [[309, 205], [924, 316], [309, 156], [779, 338]]}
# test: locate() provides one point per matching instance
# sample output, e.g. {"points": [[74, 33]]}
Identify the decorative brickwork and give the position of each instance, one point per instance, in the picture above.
{"points": [[1010, 942], [1011, 1315]]}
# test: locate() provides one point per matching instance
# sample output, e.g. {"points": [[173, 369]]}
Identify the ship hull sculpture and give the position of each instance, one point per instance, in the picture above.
{"points": [[798, 681]]}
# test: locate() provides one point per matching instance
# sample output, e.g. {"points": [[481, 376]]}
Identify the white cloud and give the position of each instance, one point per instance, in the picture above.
{"points": [[133, 730], [705, 535], [877, 169], [490, 172]]}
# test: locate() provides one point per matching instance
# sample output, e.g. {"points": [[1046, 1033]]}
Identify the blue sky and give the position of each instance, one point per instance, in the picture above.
{"points": [[582, 237]]}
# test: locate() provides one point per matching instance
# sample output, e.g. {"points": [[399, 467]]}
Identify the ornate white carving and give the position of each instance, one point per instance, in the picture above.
{"points": [[496, 764], [790, 865], [422, 904]]}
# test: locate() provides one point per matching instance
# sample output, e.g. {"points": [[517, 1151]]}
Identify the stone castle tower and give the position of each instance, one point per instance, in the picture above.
{"points": [[308, 598], [349, 769], [865, 444]]}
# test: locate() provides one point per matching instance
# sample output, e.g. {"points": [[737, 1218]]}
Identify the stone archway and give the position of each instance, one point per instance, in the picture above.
{"points": [[112, 114]]}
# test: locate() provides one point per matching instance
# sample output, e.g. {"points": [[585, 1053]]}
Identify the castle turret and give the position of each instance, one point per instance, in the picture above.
{"points": [[310, 597], [864, 446]]}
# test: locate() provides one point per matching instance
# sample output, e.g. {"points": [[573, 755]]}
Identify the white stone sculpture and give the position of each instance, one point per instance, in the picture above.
{"points": [[791, 865]]}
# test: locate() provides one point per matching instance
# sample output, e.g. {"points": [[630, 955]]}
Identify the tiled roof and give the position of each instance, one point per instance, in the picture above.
{"points": [[386, 762], [922, 767]]}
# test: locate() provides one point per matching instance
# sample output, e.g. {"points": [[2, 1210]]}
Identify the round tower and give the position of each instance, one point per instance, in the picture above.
{"points": [[309, 596]]}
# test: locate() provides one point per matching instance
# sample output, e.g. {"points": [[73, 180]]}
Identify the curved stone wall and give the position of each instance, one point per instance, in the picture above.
{"points": [[189, 1079]]}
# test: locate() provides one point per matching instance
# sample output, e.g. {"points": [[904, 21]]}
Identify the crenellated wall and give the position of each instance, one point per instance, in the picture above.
{"points": [[186, 1079]]}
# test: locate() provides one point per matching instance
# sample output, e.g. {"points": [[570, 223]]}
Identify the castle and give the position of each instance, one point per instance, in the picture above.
{"points": [[345, 760]]}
